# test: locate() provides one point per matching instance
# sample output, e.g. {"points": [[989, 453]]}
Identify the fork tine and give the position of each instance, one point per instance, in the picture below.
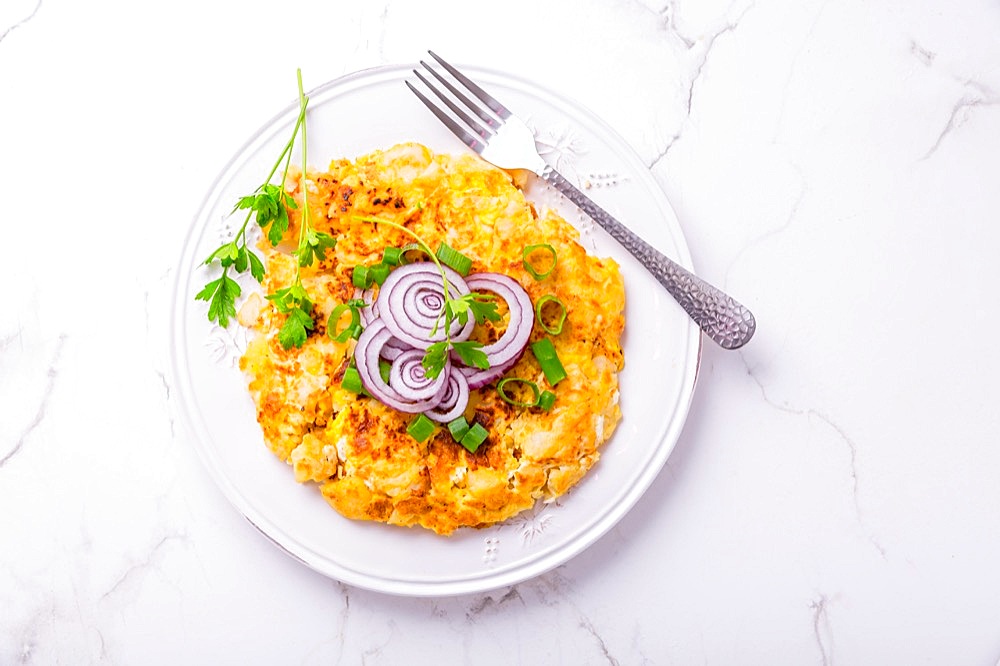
{"points": [[489, 101], [457, 110], [466, 138], [473, 106]]}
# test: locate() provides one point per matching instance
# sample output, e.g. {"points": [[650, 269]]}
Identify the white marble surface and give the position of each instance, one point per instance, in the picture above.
{"points": [[835, 495]]}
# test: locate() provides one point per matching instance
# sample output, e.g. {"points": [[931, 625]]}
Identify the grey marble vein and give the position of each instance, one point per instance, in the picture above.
{"points": [[957, 118], [157, 362], [924, 55], [383, 21], [665, 16], [9, 339], [20, 23], [699, 68], [853, 452], [171, 421], [793, 67], [771, 233], [375, 651], [143, 565], [707, 51], [345, 616], [554, 589], [43, 404], [488, 603], [664, 151], [667, 13], [841, 433], [821, 626], [588, 626]]}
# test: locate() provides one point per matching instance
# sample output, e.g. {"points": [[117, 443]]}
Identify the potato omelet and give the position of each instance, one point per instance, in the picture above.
{"points": [[356, 449]]}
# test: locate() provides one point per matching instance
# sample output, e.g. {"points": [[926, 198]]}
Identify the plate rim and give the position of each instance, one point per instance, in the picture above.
{"points": [[492, 579]]}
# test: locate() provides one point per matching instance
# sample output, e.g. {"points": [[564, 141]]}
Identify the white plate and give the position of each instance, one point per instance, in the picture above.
{"points": [[370, 110]]}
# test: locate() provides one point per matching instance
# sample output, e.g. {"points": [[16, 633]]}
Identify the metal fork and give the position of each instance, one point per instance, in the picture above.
{"points": [[504, 140]]}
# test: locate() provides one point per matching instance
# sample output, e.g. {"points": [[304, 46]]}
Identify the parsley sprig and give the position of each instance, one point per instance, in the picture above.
{"points": [[481, 306], [294, 301], [268, 205]]}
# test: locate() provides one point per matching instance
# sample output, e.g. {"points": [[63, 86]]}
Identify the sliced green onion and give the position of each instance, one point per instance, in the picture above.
{"points": [[334, 321], [458, 428], [546, 400], [404, 252], [532, 386], [477, 435], [452, 258], [352, 381], [556, 328], [535, 272], [553, 368], [392, 256], [379, 272], [360, 277], [420, 428]]}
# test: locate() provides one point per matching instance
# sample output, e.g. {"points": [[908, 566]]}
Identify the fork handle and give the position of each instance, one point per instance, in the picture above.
{"points": [[719, 315]]}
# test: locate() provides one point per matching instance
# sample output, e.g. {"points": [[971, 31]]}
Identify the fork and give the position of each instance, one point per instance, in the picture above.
{"points": [[505, 141]]}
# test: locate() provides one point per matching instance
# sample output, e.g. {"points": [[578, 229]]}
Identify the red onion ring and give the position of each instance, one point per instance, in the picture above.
{"points": [[506, 351], [397, 326], [454, 399], [369, 313], [366, 355], [410, 303], [408, 377], [393, 348]]}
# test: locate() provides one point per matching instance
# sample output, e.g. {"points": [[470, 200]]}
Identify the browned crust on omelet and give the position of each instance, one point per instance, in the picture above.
{"points": [[356, 449]]}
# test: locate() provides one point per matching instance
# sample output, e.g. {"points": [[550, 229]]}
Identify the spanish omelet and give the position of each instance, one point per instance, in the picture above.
{"points": [[356, 449]]}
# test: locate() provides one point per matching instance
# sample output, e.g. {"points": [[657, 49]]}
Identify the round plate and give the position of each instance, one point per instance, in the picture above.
{"points": [[372, 110]]}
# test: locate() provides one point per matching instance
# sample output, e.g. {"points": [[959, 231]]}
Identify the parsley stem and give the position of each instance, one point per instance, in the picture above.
{"points": [[437, 262], [304, 226], [420, 241], [285, 156], [286, 152]]}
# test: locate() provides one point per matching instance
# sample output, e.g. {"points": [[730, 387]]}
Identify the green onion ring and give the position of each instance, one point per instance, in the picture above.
{"points": [[454, 259], [334, 319], [391, 256], [546, 400], [518, 403], [420, 428], [361, 277], [410, 247], [556, 329], [534, 272]]}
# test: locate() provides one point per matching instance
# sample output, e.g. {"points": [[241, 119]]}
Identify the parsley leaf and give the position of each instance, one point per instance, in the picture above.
{"points": [[293, 301], [313, 247], [291, 298], [269, 206], [436, 356], [481, 306], [256, 266], [225, 254], [221, 295], [471, 353], [293, 331], [435, 359]]}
